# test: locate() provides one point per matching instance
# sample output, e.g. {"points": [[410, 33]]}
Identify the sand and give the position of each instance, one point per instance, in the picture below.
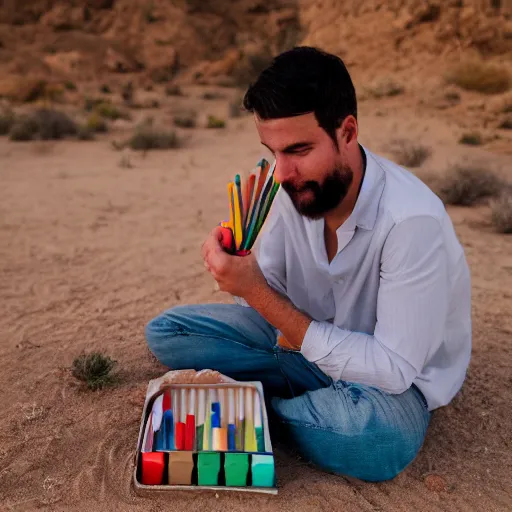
{"points": [[91, 250]]}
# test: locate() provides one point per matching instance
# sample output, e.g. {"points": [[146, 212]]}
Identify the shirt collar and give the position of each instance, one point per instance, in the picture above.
{"points": [[364, 214]]}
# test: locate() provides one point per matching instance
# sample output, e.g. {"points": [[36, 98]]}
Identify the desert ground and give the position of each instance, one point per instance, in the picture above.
{"points": [[96, 241]]}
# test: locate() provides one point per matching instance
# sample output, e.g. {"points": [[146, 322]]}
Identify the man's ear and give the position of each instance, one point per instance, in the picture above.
{"points": [[349, 130]]}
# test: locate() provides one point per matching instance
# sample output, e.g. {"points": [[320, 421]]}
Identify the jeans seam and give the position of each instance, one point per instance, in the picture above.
{"points": [[188, 333], [310, 425]]}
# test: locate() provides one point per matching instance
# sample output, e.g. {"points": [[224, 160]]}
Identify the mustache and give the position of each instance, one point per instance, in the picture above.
{"points": [[296, 188]]}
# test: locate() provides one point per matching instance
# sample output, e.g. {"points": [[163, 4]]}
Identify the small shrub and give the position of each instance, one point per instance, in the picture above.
{"points": [[385, 88], [148, 14], [251, 65], [95, 369], [109, 111], [506, 124], [96, 124], [410, 154], [471, 139], [147, 137], [173, 90], [212, 96], [480, 76], [53, 124], [70, 86], [84, 133], [24, 129], [7, 119], [185, 121], [235, 107], [125, 163], [127, 93], [91, 103], [215, 122], [105, 89], [501, 213], [466, 185]]}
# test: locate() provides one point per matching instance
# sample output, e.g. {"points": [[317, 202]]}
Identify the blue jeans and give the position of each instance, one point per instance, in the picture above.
{"points": [[342, 427]]}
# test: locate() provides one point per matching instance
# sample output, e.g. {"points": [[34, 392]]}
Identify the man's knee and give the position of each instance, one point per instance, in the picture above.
{"points": [[161, 330], [347, 431]]}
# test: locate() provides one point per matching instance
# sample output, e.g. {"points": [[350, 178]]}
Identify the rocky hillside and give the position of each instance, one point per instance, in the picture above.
{"points": [[223, 42]]}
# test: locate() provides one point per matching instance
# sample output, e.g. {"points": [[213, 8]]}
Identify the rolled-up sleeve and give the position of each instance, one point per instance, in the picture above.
{"points": [[412, 308]]}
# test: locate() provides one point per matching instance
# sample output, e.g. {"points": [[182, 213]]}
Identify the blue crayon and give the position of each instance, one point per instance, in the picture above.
{"points": [[231, 437], [158, 440], [215, 415], [167, 430]]}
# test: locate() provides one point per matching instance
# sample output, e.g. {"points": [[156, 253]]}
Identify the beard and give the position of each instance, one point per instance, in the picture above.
{"points": [[313, 199]]}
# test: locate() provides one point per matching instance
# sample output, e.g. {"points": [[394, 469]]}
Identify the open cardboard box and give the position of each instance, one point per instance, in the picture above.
{"points": [[190, 379]]}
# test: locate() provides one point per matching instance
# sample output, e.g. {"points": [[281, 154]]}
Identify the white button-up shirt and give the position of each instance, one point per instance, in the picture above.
{"points": [[393, 306]]}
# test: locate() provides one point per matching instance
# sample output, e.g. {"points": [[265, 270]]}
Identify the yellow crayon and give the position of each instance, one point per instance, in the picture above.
{"points": [[238, 221]]}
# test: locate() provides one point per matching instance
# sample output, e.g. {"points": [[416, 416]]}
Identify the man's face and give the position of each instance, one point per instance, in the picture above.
{"points": [[309, 166]]}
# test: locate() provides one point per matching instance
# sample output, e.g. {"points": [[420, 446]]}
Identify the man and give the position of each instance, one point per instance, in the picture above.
{"points": [[355, 311]]}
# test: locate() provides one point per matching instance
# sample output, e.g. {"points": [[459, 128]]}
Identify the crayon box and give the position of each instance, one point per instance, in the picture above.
{"points": [[203, 431]]}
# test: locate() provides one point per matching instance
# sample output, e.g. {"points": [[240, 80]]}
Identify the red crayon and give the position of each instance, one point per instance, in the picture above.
{"points": [[152, 468]]}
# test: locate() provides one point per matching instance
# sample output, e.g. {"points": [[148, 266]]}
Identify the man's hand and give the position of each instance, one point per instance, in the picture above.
{"points": [[238, 275]]}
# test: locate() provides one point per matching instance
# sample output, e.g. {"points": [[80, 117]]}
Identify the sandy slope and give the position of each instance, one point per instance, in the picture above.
{"points": [[90, 251]]}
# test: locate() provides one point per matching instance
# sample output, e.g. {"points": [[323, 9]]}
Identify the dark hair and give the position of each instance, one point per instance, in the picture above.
{"points": [[304, 80]]}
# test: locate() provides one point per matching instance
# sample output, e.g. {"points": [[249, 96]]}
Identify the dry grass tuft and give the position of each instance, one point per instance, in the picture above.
{"points": [[385, 87], [95, 369], [471, 139], [215, 122], [506, 124], [501, 212], [467, 185], [173, 90], [408, 153], [7, 119], [147, 137], [188, 120], [480, 76]]}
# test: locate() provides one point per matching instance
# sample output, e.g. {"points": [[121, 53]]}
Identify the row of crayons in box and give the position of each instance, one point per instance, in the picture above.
{"points": [[205, 419]]}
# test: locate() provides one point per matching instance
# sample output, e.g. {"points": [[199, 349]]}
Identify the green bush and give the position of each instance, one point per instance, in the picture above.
{"points": [[96, 124], [109, 111], [95, 369], [471, 139], [215, 122]]}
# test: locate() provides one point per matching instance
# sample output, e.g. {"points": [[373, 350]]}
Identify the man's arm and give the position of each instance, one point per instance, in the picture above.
{"points": [[269, 250], [411, 311]]}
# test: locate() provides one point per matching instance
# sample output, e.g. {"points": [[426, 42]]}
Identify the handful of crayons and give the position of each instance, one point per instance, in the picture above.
{"points": [[249, 203], [207, 436]]}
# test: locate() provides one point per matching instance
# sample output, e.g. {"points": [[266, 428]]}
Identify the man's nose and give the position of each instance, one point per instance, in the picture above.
{"points": [[285, 169]]}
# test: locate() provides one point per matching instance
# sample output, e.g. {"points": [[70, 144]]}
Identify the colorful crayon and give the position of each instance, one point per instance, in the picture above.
{"points": [[190, 425], [250, 435], [201, 410], [231, 420], [240, 419], [258, 424]]}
